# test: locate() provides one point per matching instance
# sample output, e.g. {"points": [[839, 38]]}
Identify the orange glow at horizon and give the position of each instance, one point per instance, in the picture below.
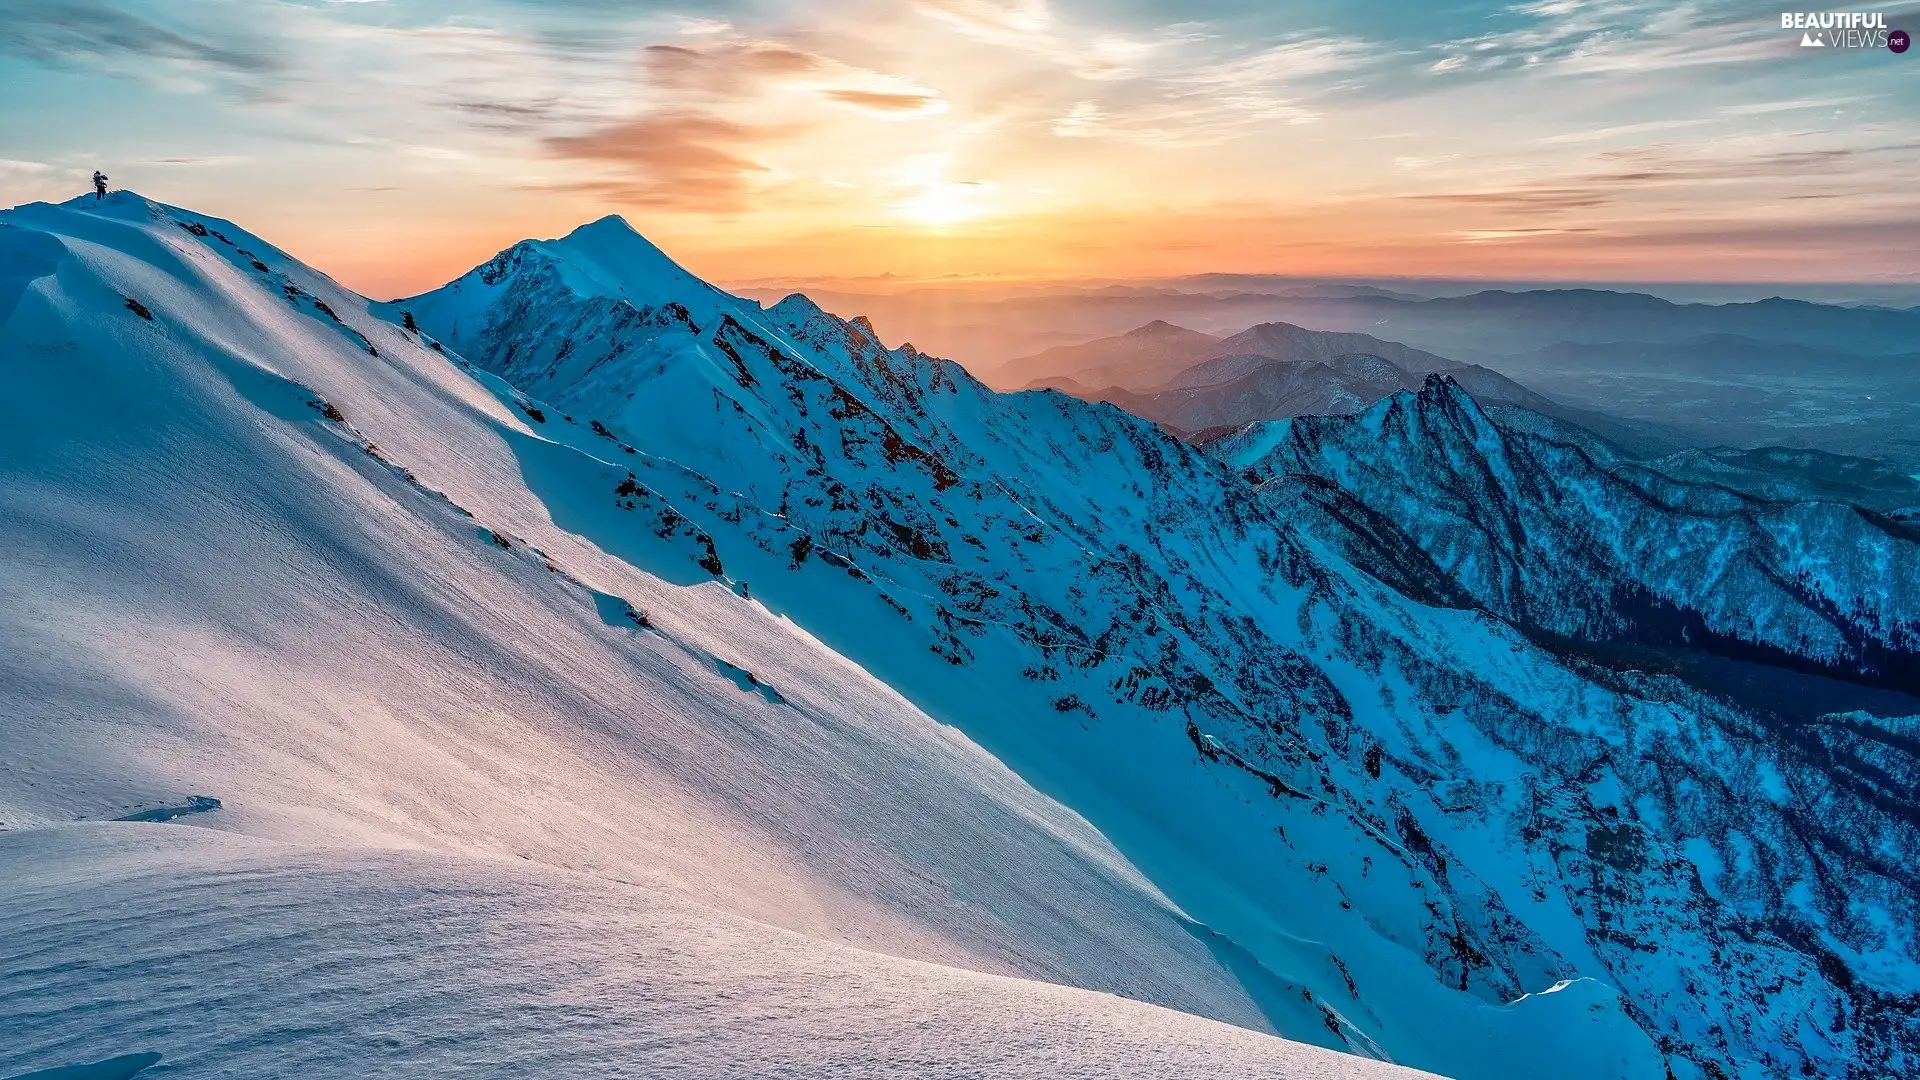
{"points": [[940, 238]]}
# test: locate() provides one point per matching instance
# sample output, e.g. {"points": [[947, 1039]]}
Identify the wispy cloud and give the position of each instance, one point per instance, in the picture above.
{"points": [[1212, 95], [682, 161], [1507, 236], [11, 167], [1523, 200], [96, 32], [1582, 37], [1188, 121], [727, 70], [891, 102], [1020, 24], [1767, 108], [1282, 63], [1618, 131]]}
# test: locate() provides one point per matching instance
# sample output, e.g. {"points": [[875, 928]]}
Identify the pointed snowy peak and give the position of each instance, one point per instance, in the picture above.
{"points": [[1439, 412], [1438, 392], [603, 261], [796, 307], [609, 258]]}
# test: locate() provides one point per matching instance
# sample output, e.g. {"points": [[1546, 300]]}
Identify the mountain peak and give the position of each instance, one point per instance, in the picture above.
{"points": [[608, 257], [124, 205], [1158, 328], [1440, 390], [606, 223], [605, 258], [1441, 407]]}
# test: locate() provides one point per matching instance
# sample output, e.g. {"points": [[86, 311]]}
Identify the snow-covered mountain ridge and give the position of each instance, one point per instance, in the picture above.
{"points": [[1087, 566], [781, 626], [1571, 537]]}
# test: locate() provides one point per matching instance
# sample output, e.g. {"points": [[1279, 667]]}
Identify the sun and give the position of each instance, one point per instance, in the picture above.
{"points": [[945, 203]]}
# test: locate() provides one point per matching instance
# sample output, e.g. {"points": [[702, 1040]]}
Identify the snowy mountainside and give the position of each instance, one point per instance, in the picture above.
{"points": [[1787, 474], [491, 797], [1571, 538], [1434, 839]]}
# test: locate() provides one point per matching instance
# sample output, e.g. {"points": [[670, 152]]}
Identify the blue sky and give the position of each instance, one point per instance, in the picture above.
{"points": [[395, 142]]}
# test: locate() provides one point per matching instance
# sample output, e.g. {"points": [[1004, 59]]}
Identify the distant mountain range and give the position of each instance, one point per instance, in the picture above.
{"points": [[1195, 384], [1140, 359], [1492, 323], [985, 325]]}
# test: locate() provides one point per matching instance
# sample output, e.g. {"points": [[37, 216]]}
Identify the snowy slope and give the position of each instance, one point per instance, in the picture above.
{"points": [[492, 795], [238, 957], [1431, 838]]}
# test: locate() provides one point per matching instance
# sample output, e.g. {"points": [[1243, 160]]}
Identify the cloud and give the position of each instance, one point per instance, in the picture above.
{"points": [[11, 169], [1507, 236], [1658, 164], [1523, 200], [1765, 108], [884, 101], [679, 160], [1208, 103], [209, 161], [1580, 37], [1618, 130], [1294, 61], [1629, 54], [726, 70], [1021, 24], [740, 71], [93, 32], [1178, 124], [1638, 174], [509, 116], [1029, 26], [1828, 244], [691, 27]]}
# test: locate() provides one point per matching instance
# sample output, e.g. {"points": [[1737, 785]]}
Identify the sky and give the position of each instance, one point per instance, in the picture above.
{"points": [[396, 143]]}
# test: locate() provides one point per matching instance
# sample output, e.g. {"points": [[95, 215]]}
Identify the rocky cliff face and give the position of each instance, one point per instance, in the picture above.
{"points": [[1357, 752]]}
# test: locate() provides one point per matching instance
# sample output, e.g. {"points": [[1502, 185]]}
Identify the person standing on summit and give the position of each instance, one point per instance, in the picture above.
{"points": [[99, 185]]}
